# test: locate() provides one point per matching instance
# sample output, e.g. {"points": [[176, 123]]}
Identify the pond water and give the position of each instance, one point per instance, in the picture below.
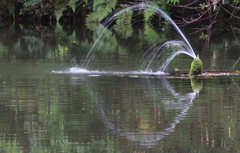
{"points": [[49, 103]]}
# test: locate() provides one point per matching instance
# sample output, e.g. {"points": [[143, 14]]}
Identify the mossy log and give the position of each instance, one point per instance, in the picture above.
{"points": [[196, 67]]}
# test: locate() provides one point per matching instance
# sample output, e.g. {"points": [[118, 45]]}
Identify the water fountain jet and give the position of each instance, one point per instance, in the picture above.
{"points": [[183, 45]]}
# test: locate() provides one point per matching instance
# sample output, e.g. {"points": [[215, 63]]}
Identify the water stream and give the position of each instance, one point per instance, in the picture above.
{"points": [[154, 53]]}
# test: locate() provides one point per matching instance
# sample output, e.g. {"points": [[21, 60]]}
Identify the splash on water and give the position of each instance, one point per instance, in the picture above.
{"points": [[75, 70], [78, 70]]}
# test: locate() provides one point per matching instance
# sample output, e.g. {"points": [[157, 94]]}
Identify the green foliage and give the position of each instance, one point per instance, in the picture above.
{"points": [[61, 6], [173, 1], [28, 4], [72, 4], [196, 84], [3, 50], [124, 31], [124, 18], [34, 44], [196, 67], [9, 146], [39, 7], [203, 36], [97, 3], [101, 9], [203, 5], [95, 10], [36, 8], [149, 13], [10, 6], [150, 34], [123, 24]]}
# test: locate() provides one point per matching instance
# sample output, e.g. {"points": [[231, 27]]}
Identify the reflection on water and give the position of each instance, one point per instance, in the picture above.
{"points": [[147, 132], [110, 113], [46, 105]]}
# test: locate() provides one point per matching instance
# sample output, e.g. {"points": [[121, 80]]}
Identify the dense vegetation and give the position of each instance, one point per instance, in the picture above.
{"points": [[185, 12], [35, 37]]}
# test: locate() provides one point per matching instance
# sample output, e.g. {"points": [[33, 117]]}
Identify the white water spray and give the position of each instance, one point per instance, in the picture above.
{"points": [[153, 53], [184, 47]]}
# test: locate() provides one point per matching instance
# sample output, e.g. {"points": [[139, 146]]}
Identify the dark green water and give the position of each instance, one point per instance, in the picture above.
{"points": [[113, 107]]}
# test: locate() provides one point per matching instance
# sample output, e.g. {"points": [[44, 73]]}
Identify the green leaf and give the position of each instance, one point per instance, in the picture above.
{"points": [[202, 5], [148, 14], [10, 6], [102, 8], [173, 1], [124, 31], [72, 4], [97, 3], [124, 18], [61, 8], [150, 33], [58, 13]]}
